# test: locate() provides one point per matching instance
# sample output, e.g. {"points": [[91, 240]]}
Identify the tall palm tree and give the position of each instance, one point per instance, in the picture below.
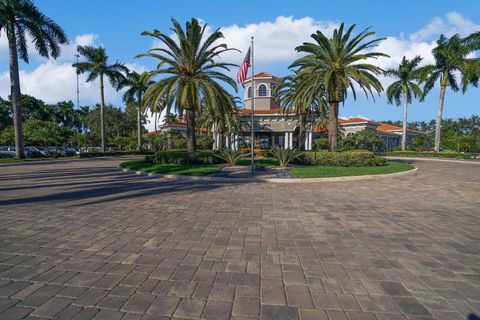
{"points": [[191, 72], [137, 84], [409, 75], [302, 96], [451, 58], [96, 64], [339, 62], [18, 18]]}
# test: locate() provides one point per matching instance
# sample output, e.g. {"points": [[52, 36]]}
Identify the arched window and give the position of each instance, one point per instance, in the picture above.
{"points": [[249, 92], [262, 90]]}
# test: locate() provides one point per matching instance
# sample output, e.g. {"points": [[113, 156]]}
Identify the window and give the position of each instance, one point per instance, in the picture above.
{"points": [[273, 89], [262, 90], [249, 92]]}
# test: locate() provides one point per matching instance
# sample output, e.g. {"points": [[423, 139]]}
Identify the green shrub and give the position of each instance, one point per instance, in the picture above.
{"points": [[231, 157], [353, 158], [183, 157], [204, 142], [321, 143], [284, 156]]}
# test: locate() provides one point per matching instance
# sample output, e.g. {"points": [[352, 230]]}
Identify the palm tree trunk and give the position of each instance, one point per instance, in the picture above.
{"points": [[139, 124], [404, 125], [15, 92], [301, 132], [438, 125], [191, 139], [156, 115], [221, 140], [333, 125], [102, 114]]}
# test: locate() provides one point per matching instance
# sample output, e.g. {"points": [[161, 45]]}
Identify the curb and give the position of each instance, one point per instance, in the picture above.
{"points": [[270, 180], [433, 159]]}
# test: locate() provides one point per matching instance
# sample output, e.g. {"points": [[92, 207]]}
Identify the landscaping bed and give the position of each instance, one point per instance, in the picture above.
{"points": [[184, 170], [334, 171], [306, 165]]}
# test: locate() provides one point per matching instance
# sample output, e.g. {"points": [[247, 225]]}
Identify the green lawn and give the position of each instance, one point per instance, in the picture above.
{"points": [[185, 170], [323, 171]]}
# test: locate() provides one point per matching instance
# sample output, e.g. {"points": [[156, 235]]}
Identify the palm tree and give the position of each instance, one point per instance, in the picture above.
{"points": [[17, 18], [137, 85], [298, 94], [96, 64], [191, 72], [409, 75], [222, 123], [451, 58], [170, 117], [339, 63]]}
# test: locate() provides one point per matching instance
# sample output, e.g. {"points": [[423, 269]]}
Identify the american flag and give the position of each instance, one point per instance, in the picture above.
{"points": [[242, 73]]}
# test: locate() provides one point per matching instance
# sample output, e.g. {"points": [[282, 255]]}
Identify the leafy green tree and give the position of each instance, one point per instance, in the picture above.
{"points": [[367, 139], [117, 123], [7, 136], [137, 84], [408, 75], [46, 133], [95, 63], [452, 58], [338, 63], [303, 96], [18, 18], [6, 119], [192, 71]]}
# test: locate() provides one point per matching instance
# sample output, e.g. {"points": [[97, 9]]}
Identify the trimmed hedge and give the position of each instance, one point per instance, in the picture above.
{"points": [[447, 155], [353, 158], [183, 157], [112, 153]]}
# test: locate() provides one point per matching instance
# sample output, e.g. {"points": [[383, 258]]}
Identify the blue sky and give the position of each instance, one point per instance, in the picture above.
{"points": [[411, 28]]}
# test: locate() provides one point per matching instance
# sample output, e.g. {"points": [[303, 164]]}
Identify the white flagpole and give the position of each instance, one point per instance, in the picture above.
{"points": [[253, 112]]}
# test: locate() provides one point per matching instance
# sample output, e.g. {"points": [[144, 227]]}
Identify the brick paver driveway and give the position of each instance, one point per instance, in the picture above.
{"points": [[80, 240]]}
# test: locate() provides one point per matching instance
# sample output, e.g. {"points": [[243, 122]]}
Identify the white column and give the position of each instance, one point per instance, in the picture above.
{"points": [[309, 140], [285, 142], [290, 142]]}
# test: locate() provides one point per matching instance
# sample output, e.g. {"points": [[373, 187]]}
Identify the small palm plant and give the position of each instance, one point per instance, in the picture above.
{"points": [[284, 156], [231, 157]]}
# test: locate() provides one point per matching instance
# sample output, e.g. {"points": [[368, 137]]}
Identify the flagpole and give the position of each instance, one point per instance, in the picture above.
{"points": [[253, 113]]}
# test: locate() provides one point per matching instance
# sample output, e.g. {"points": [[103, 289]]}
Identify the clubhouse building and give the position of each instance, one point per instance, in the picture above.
{"points": [[274, 127]]}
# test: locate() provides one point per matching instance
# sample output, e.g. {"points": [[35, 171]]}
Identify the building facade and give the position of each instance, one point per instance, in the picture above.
{"points": [[273, 127]]}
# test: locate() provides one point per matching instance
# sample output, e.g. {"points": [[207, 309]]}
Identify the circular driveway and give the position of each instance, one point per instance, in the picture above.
{"points": [[82, 240]]}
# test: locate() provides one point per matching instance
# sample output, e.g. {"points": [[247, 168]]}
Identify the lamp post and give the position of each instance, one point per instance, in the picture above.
{"points": [[78, 107]]}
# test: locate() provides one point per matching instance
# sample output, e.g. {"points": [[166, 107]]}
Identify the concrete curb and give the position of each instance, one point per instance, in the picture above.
{"points": [[433, 159], [271, 180]]}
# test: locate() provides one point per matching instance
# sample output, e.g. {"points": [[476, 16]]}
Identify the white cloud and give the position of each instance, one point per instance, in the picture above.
{"points": [[453, 23], [55, 80], [275, 41]]}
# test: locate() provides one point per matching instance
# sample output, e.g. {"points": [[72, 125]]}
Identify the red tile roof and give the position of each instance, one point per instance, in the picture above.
{"points": [[262, 75], [385, 127]]}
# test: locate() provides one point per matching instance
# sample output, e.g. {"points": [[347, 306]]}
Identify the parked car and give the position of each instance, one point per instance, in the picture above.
{"points": [[70, 152], [34, 152], [7, 152], [56, 152]]}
